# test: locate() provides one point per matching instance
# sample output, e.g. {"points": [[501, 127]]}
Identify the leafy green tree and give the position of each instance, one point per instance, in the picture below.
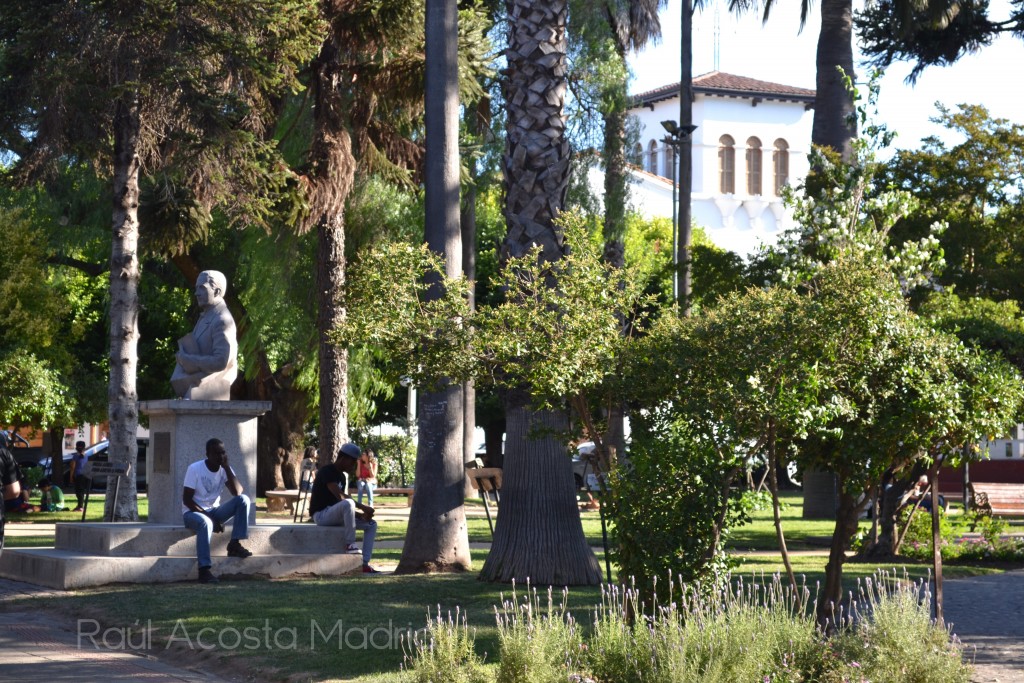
{"points": [[975, 187], [934, 33], [155, 85], [556, 339]]}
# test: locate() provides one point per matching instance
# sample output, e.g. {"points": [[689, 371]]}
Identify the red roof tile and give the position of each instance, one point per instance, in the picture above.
{"points": [[718, 83]]}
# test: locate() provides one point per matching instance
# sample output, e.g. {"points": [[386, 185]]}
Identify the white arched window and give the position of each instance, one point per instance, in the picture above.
{"points": [[670, 162], [753, 166], [780, 160], [652, 157], [726, 165]]}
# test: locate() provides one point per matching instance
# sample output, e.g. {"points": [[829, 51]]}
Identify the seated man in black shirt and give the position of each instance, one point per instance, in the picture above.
{"points": [[330, 504]]}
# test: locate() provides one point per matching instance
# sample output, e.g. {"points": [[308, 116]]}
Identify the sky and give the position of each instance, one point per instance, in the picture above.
{"points": [[779, 52]]}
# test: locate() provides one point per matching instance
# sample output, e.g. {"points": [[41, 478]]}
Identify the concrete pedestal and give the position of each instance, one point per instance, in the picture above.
{"points": [[178, 432]]}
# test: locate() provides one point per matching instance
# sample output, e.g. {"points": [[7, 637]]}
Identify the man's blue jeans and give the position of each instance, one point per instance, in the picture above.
{"points": [[236, 508]]}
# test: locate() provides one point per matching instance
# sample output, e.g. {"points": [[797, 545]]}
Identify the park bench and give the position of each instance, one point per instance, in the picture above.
{"points": [[277, 501], [407, 492], [996, 499], [118, 470]]}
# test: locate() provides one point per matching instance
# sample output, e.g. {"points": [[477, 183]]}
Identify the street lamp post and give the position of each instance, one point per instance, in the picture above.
{"points": [[678, 138]]}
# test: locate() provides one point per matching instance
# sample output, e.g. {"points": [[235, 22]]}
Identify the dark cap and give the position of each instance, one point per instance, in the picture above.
{"points": [[350, 450]]}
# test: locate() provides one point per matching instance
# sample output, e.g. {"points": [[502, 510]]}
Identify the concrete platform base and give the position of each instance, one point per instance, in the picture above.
{"points": [[97, 554]]}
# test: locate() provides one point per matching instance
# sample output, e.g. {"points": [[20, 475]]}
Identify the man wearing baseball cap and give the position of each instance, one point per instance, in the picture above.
{"points": [[330, 504]]}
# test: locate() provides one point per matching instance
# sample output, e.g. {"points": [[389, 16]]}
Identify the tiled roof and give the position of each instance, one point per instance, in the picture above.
{"points": [[718, 83]]}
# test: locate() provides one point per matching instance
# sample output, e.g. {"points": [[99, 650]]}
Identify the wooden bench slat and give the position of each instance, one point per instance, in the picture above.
{"points": [[997, 498]]}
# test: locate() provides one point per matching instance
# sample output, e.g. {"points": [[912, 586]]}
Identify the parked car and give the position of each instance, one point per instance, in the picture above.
{"points": [[24, 454], [583, 471], [100, 452]]}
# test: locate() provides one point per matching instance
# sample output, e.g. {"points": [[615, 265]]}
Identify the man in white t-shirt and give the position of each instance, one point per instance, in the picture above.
{"points": [[203, 513]]}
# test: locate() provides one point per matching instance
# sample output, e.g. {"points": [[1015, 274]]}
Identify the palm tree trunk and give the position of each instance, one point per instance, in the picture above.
{"points": [[436, 538], [834, 125], [539, 534], [685, 155], [122, 396]]}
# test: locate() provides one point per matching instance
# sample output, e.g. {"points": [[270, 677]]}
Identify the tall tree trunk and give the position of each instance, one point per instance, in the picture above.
{"points": [[333, 171], [685, 150], [333, 359], [830, 600], [122, 396], [616, 189], [477, 124], [773, 484], [539, 534], [436, 538], [56, 453], [834, 125]]}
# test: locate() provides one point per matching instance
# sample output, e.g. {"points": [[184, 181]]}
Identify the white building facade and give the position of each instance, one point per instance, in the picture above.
{"points": [[752, 139]]}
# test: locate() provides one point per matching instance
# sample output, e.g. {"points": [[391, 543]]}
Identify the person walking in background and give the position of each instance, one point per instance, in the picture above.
{"points": [[81, 474], [367, 476]]}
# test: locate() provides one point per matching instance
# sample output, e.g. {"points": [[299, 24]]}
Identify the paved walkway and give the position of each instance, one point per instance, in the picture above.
{"points": [[987, 613], [41, 647]]}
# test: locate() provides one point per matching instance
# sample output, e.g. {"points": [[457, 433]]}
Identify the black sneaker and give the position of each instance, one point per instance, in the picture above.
{"points": [[207, 576], [236, 549]]}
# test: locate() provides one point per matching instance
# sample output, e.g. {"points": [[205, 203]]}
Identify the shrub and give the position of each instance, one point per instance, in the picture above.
{"points": [[537, 645], [896, 639], [443, 653], [756, 630]]}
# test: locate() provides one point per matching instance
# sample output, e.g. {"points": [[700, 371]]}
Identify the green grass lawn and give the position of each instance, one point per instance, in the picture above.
{"points": [[289, 629]]}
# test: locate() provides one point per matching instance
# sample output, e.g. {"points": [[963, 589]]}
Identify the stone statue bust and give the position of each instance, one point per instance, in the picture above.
{"points": [[207, 357]]}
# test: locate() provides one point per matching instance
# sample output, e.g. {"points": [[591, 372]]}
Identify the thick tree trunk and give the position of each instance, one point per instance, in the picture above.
{"points": [[56, 453], [122, 396], [536, 161], [333, 171], [888, 528], [282, 427], [436, 538], [831, 597], [539, 535], [330, 281], [834, 125]]}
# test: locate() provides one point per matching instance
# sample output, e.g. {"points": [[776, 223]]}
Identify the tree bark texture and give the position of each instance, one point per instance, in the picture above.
{"points": [[539, 535], [830, 600], [833, 124], [122, 396], [685, 158], [436, 538], [477, 119], [536, 160], [332, 174], [616, 189]]}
